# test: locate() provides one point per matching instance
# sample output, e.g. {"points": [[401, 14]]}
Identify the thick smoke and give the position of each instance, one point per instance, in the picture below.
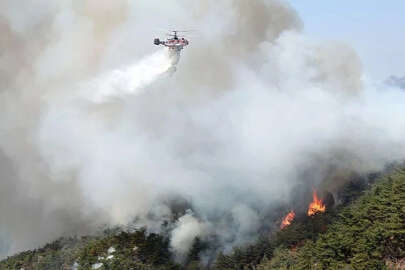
{"points": [[93, 132]]}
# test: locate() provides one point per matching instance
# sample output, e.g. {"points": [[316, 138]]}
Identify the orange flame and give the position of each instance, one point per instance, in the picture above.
{"points": [[316, 205], [287, 219]]}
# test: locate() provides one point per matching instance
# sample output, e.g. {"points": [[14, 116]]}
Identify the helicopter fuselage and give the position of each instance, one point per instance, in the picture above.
{"points": [[174, 43]]}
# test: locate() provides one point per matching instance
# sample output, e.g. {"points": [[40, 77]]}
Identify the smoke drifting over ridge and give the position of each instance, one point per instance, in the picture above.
{"points": [[254, 109]]}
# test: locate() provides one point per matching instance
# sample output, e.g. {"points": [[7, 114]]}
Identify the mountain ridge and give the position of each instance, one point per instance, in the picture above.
{"points": [[366, 232]]}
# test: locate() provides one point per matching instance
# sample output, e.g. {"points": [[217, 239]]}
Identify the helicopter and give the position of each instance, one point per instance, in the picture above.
{"points": [[175, 42]]}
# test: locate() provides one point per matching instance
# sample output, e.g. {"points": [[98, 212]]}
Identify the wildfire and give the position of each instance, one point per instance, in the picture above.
{"points": [[316, 205], [287, 219]]}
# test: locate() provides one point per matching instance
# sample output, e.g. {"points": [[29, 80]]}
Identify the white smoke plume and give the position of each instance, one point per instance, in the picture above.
{"points": [[94, 132], [187, 228]]}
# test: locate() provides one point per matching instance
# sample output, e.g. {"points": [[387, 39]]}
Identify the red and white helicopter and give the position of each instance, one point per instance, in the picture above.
{"points": [[174, 42]]}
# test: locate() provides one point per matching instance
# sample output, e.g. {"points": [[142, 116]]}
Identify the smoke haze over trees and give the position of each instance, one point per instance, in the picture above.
{"points": [[256, 114]]}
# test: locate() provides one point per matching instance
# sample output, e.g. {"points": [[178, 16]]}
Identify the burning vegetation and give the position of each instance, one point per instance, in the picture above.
{"points": [[287, 219], [316, 206], [307, 244]]}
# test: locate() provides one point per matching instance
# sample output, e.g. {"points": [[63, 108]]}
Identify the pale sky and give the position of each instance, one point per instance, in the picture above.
{"points": [[374, 28]]}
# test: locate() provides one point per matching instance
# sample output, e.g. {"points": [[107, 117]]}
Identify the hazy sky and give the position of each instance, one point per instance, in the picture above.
{"points": [[374, 28]]}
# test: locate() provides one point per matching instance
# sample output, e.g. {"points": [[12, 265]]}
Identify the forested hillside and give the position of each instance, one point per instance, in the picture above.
{"points": [[366, 231]]}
